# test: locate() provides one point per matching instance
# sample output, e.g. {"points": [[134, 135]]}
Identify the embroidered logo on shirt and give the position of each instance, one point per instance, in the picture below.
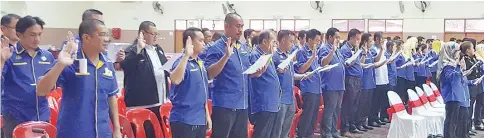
{"points": [[107, 72], [18, 57], [43, 58]]}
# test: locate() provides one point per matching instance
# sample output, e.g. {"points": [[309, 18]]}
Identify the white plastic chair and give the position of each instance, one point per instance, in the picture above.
{"points": [[426, 103], [437, 93], [434, 120], [431, 97], [404, 125]]}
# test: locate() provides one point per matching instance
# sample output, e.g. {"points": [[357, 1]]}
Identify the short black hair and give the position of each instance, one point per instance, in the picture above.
{"points": [[89, 26], [452, 39], [89, 12], [301, 34], [247, 33], [311, 34], [464, 46], [365, 38], [408, 37], [423, 46], [284, 33], [420, 39], [331, 32], [458, 41], [205, 29], [388, 38], [230, 17], [216, 35], [352, 33], [7, 19], [28, 21], [255, 40], [264, 35], [377, 36], [190, 32], [429, 41], [389, 44], [145, 26], [472, 40], [396, 38], [399, 42]]}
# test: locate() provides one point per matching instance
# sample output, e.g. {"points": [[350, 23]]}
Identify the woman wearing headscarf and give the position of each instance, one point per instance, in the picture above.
{"points": [[454, 90], [408, 48]]}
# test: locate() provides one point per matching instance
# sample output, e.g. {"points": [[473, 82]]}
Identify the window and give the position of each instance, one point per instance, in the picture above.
{"points": [[385, 25], [270, 24], [219, 25], [180, 24], [207, 24], [256, 24], [294, 25], [213, 24], [474, 25], [344, 25], [454, 26], [193, 23]]}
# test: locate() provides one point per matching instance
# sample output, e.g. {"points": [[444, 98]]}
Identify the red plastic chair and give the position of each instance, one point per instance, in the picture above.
{"points": [[209, 106], [52, 102], [54, 114], [121, 105], [292, 131], [126, 129], [59, 102], [1, 124], [320, 115], [251, 129], [34, 129], [165, 119], [298, 96], [138, 116]]}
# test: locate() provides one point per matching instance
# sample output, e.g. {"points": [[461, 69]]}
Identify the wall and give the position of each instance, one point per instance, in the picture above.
{"points": [[128, 15]]}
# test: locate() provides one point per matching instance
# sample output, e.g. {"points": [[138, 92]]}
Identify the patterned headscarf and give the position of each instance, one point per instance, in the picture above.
{"points": [[448, 56]]}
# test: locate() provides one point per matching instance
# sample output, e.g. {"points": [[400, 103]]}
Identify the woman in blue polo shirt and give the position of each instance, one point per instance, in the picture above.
{"points": [[400, 62], [189, 117]]}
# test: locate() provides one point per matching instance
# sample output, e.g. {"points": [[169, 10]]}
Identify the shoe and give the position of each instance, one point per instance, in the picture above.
{"points": [[367, 127], [478, 127], [346, 135], [361, 128], [374, 124], [473, 131], [386, 120], [356, 131], [439, 136], [380, 122], [431, 136]]}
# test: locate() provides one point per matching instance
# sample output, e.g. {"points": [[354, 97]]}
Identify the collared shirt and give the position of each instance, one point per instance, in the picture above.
{"points": [[452, 84], [231, 86], [19, 77], [159, 73], [286, 79], [266, 89], [381, 73], [190, 96], [85, 97], [334, 79], [368, 79], [354, 70], [392, 70], [313, 84], [435, 57], [410, 71], [400, 61]]}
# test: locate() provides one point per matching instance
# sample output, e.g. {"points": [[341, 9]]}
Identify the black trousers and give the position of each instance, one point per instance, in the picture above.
{"points": [[229, 123], [419, 80], [182, 130], [478, 99], [309, 116], [434, 79], [401, 89], [364, 106], [455, 124], [263, 124], [348, 108], [411, 85], [379, 103]]}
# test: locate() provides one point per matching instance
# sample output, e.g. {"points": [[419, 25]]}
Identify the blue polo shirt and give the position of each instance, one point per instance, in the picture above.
{"points": [[313, 84], [190, 96], [392, 70], [400, 61], [354, 70], [368, 79], [204, 53], [286, 79], [435, 57], [266, 90], [452, 85], [85, 109], [231, 86], [334, 79], [19, 77], [294, 48], [410, 72]]}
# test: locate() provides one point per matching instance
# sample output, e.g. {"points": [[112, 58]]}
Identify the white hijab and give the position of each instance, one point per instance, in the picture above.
{"points": [[448, 56]]}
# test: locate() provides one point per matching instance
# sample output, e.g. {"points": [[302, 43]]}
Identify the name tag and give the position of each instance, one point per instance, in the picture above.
{"points": [[194, 70], [45, 63], [244, 52], [19, 63]]}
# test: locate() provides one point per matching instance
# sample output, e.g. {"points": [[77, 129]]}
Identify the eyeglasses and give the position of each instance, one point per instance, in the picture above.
{"points": [[153, 34]]}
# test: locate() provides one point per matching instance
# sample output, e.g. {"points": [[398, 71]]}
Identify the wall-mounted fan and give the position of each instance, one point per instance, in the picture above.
{"points": [[317, 5], [422, 5], [157, 7], [228, 8]]}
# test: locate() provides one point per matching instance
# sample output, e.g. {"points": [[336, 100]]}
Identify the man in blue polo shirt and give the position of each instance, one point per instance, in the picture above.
{"points": [[391, 65], [189, 117], [225, 62], [89, 89], [21, 70], [334, 83], [311, 86]]}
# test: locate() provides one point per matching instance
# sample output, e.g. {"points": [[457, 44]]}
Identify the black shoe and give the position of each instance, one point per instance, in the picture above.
{"points": [[381, 123], [361, 128], [367, 127], [472, 134], [478, 127], [356, 131], [473, 131], [386, 120], [430, 136], [374, 124], [439, 136]]}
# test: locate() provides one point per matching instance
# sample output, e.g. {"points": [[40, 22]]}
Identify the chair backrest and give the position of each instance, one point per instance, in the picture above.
{"points": [[396, 103], [209, 106], [138, 116], [435, 89], [414, 99], [34, 129], [430, 94], [126, 129], [165, 110], [422, 95], [121, 105], [298, 97], [54, 114], [52, 102]]}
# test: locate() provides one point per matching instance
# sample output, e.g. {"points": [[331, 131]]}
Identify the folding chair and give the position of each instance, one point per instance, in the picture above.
{"points": [[431, 96], [434, 120], [404, 125]]}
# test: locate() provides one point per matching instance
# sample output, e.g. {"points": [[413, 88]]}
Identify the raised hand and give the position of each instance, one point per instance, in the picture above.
{"points": [[5, 50], [189, 47], [141, 41], [229, 48], [120, 56], [66, 56]]}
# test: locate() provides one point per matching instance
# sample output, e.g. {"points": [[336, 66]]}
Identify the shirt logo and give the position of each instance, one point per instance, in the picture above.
{"points": [[107, 72], [43, 58], [191, 64], [18, 57]]}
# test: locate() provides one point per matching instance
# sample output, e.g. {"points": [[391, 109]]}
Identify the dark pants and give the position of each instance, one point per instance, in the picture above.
{"points": [[477, 97], [283, 122], [9, 123], [229, 123], [309, 115], [379, 103], [455, 124], [263, 124], [419, 80], [364, 106], [149, 130], [332, 108], [348, 108], [434, 79], [182, 130], [401, 89], [411, 85]]}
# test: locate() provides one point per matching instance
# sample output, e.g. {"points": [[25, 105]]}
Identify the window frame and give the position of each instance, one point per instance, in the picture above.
{"points": [[294, 24], [348, 24], [385, 30], [465, 25]]}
